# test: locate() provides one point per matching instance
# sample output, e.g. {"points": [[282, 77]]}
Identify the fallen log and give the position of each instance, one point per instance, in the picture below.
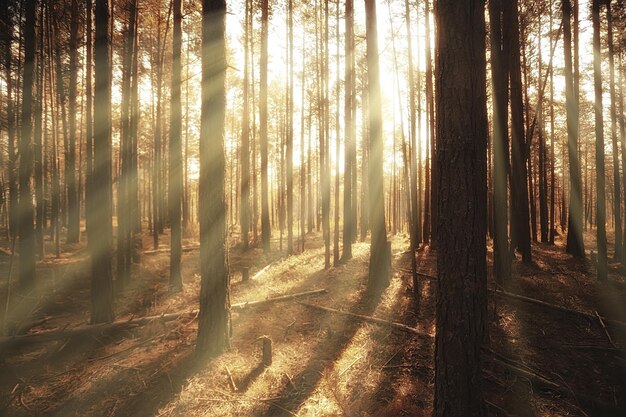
{"points": [[104, 328]]}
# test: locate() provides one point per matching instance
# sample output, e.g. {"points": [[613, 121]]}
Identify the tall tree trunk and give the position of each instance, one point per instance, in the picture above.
{"points": [[500, 83], [176, 153], [124, 219], [575, 244], [245, 141], [133, 186], [38, 145], [303, 164], [214, 319], [73, 207], [380, 252], [101, 274], [337, 146], [289, 147], [265, 215], [415, 225], [461, 161], [349, 134], [617, 197], [324, 140], [599, 122], [430, 100], [552, 139], [622, 132], [89, 120], [520, 227], [25, 204], [543, 177], [11, 145]]}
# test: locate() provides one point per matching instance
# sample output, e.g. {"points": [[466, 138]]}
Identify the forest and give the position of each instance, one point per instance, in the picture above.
{"points": [[312, 208]]}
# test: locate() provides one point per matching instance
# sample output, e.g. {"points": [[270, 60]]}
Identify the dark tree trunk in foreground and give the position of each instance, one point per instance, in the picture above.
{"points": [[176, 154], [500, 78], [213, 326], [462, 206], [600, 183], [26, 212], [520, 225], [575, 244], [101, 239], [380, 254], [265, 213]]}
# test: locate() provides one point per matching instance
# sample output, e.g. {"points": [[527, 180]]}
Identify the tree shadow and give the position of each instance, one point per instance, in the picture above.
{"points": [[245, 382], [339, 334]]}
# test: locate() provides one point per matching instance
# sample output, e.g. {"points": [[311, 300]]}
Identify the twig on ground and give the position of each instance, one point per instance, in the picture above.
{"points": [[606, 332]]}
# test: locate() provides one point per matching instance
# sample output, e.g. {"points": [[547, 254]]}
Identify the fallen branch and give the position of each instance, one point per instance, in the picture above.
{"points": [[606, 332], [370, 319], [533, 377], [165, 250], [231, 381], [506, 294], [277, 299], [529, 300], [101, 329], [540, 382], [594, 348]]}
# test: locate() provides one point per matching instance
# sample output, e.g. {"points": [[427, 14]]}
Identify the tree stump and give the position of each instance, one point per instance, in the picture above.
{"points": [[267, 351]]}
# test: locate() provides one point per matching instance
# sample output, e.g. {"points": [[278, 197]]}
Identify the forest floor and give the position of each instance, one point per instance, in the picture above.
{"points": [[324, 363]]}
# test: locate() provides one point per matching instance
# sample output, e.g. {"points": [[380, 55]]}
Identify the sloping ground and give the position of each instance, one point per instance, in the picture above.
{"points": [[324, 364]]}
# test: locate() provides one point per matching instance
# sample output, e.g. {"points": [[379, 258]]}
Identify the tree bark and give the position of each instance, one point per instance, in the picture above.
{"points": [[350, 134], [26, 215], [380, 253], [520, 227], [500, 82], [461, 308], [73, 207], [617, 197], [430, 99], [214, 319], [245, 141], [176, 153], [265, 215], [575, 244], [101, 247], [599, 123]]}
